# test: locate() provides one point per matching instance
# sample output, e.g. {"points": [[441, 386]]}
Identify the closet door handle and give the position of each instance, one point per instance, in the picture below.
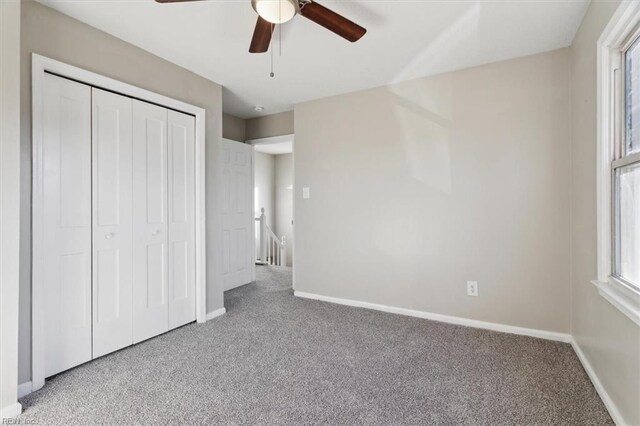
{"points": [[110, 235], [156, 232]]}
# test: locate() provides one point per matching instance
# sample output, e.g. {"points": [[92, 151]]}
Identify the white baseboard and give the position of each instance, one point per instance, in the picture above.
{"points": [[10, 412], [25, 389], [602, 392], [216, 313], [542, 334]]}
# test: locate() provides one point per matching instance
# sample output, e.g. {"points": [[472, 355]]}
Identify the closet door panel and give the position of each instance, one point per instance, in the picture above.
{"points": [[150, 269], [238, 222], [181, 189], [112, 221], [66, 161]]}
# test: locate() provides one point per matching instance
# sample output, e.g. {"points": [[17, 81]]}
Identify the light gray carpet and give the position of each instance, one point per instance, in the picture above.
{"points": [[277, 359]]}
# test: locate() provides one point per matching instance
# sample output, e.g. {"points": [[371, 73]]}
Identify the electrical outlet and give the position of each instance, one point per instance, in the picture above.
{"points": [[306, 193], [472, 288]]}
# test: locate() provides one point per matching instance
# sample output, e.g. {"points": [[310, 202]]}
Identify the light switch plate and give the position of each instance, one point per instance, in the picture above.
{"points": [[305, 192]]}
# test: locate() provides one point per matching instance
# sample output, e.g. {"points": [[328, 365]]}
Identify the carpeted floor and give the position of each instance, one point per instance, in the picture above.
{"points": [[277, 359]]}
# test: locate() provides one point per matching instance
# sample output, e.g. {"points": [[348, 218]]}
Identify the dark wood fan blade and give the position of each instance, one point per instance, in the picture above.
{"points": [[173, 1], [261, 36], [332, 21]]}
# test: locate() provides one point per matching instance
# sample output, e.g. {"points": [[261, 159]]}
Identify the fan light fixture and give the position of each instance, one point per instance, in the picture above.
{"points": [[276, 11]]}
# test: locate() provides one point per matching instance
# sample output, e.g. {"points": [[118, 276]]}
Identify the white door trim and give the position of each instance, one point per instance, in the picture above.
{"points": [[253, 214], [40, 65], [274, 140]]}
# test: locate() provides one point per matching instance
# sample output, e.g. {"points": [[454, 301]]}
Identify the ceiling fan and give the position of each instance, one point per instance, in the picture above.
{"points": [[272, 12]]}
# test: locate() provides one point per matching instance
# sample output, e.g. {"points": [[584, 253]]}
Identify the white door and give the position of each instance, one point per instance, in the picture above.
{"points": [[66, 165], [150, 270], [112, 214], [181, 232], [237, 214]]}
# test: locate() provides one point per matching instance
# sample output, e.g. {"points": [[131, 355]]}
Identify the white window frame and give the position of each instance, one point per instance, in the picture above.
{"points": [[615, 38]]}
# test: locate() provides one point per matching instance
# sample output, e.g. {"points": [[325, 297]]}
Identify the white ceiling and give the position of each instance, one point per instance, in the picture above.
{"points": [[406, 39]]}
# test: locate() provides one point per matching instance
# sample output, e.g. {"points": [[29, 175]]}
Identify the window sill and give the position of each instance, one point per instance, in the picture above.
{"points": [[622, 297]]}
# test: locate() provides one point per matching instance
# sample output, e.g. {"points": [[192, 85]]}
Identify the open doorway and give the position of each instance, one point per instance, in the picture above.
{"points": [[273, 200]]}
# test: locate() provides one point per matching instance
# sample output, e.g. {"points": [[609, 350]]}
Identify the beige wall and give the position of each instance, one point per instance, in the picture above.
{"points": [[609, 340], [9, 203], [57, 36], [233, 128], [239, 129], [270, 125], [284, 201], [418, 187]]}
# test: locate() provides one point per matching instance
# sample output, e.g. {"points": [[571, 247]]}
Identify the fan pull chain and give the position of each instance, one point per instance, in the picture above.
{"points": [[272, 74], [280, 27], [271, 51]]}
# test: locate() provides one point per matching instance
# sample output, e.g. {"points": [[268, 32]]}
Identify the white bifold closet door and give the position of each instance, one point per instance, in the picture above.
{"points": [[66, 167], [181, 189], [112, 222], [119, 221], [150, 270], [163, 220]]}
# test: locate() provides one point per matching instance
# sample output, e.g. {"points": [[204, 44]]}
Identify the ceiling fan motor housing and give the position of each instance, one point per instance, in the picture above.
{"points": [[276, 11]]}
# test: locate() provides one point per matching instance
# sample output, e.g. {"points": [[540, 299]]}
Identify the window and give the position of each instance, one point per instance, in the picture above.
{"points": [[626, 174], [618, 170]]}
